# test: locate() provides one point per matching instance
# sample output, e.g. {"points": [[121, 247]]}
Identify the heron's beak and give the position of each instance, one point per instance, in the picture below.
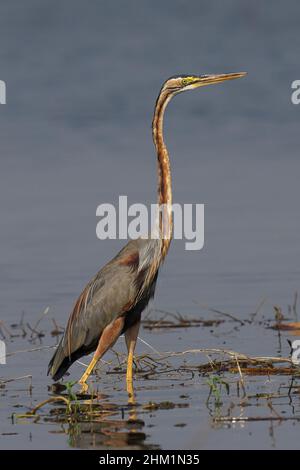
{"points": [[211, 79]]}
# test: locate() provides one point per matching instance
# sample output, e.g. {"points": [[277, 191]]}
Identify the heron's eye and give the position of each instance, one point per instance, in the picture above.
{"points": [[185, 81]]}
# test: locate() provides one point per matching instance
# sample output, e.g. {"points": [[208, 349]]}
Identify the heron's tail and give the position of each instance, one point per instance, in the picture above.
{"points": [[59, 363]]}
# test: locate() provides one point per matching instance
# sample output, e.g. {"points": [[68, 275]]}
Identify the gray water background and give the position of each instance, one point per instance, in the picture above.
{"points": [[82, 79]]}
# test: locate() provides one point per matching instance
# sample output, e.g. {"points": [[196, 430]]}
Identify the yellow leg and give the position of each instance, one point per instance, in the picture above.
{"points": [[108, 338], [129, 375], [131, 396], [131, 336], [87, 373], [130, 362]]}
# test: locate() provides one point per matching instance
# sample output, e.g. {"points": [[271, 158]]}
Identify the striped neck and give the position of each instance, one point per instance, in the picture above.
{"points": [[164, 196]]}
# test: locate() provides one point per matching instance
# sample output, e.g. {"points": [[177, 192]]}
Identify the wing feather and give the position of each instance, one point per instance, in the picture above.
{"points": [[114, 291]]}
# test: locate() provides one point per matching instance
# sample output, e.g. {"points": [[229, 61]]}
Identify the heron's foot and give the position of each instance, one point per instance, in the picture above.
{"points": [[84, 386], [86, 374]]}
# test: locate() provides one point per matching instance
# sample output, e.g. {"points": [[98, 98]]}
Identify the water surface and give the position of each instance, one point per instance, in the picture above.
{"points": [[81, 85]]}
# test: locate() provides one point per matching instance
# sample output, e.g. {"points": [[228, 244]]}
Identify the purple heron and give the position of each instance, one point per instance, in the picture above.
{"points": [[112, 302]]}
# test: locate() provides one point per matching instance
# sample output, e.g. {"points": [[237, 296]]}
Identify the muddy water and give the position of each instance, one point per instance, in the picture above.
{"points": [[76, 132]]}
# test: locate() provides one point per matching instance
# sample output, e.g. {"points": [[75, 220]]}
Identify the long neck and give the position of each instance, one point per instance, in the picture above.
{"points": [[164, 173]]}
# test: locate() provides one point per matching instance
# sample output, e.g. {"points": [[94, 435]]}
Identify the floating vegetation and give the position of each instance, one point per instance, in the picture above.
{"points": [[230, 387], [176, 320]]}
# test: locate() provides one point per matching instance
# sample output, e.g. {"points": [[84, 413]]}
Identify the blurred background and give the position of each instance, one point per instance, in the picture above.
{"points": [[82, 79]]}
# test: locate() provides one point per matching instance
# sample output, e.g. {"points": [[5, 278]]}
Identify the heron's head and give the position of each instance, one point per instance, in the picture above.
{"points": [[181, 83]]}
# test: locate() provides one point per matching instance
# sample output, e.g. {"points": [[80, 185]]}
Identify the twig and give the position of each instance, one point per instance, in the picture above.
{"points": [[176, 315], [38, 334], [149, 345], [49, 400], [21, 324], [241, 376], [17, 378], [234, 354], [13, 353], [253, 315], [219, 312], [295, 305], [45, 312], [5, 328], [233, 419], [273, 409]]}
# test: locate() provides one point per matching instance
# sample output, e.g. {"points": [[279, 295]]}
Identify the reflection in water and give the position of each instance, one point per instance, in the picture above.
{"points": [[95, 424], [107, 433]]}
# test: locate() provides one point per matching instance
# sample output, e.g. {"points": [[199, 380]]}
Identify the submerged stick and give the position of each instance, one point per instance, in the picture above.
{"points": [[49, 400]]}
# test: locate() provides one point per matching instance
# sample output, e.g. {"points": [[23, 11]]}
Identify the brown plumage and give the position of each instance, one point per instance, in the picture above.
{"points": [[112, 302]]}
